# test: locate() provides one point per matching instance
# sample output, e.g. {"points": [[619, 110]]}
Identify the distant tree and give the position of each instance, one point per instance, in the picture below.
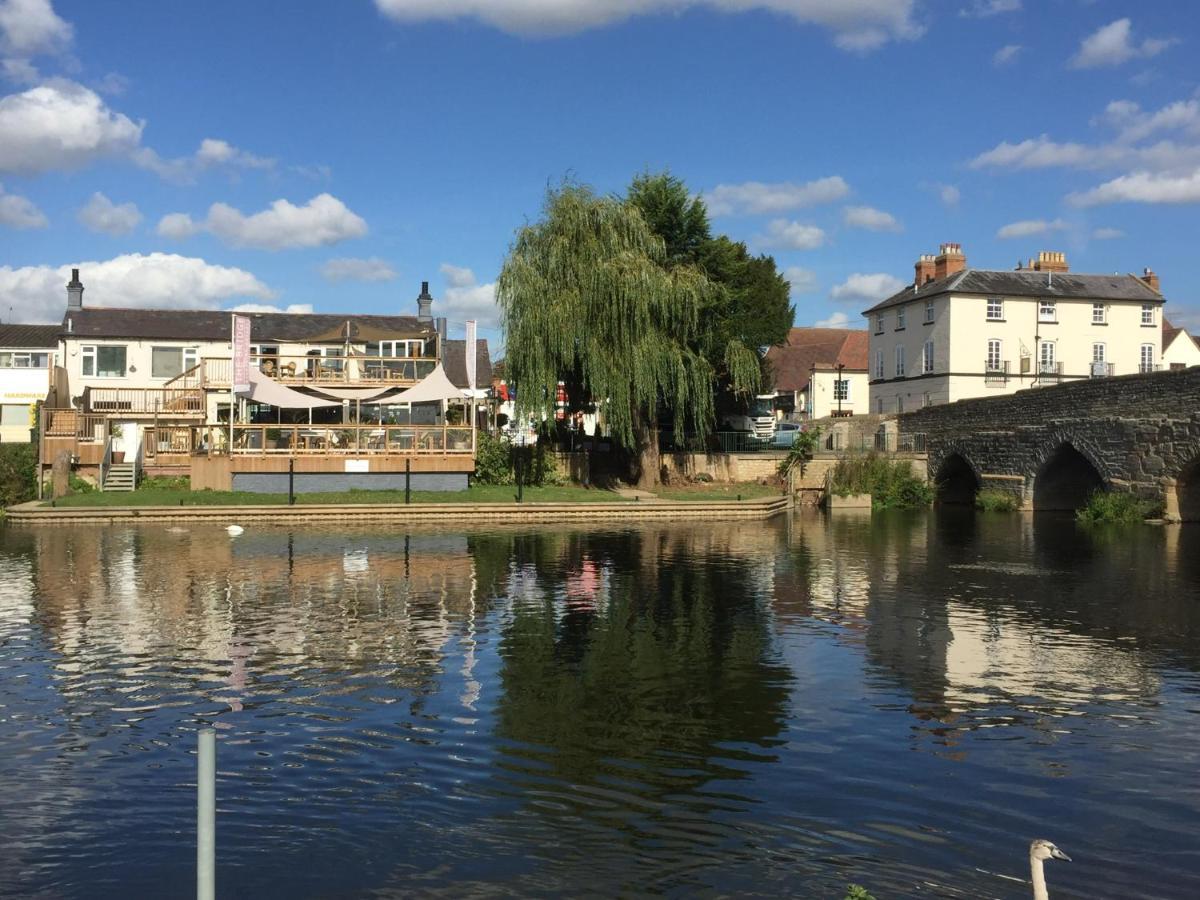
{"points": [[680, 219], [588, 289]]}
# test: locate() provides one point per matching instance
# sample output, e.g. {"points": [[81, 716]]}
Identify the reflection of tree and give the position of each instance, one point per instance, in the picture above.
{"points": [[678, 661]]}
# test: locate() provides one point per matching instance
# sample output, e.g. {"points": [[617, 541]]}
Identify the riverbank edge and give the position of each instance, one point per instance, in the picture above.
{"points": [[358, 513]]}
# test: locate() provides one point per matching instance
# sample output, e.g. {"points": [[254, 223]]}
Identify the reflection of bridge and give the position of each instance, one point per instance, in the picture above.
{"points": [[1053, 446]]}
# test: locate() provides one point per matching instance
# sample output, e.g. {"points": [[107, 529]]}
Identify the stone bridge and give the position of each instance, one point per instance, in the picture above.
{"points": [[1053, 446]]}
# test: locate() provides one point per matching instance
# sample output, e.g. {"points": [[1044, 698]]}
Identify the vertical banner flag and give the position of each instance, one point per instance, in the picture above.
{"points": [[241, 354], [471, 354]]}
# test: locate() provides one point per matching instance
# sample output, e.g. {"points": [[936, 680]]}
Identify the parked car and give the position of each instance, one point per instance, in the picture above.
{"points": [[785, 434]]}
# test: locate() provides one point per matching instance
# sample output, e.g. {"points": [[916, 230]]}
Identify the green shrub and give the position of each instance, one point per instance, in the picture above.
{"points": [[997, 500], [891, 484], [1116, 508], [166, 483], [802, 448], [858, 892], [494, 463], [18, 473]]}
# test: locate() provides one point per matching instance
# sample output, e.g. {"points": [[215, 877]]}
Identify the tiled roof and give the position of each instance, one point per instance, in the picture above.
{"points": [[215, 325], [806, 348], [33, 336], [1027, 283], [1169, 333], [455, 364]]}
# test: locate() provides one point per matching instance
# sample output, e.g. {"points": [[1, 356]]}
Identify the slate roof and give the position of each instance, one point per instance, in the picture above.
{"points": [[214, 324], [1027, 283], [1169, 333], [792, 362], [32, 336], [455, 363]]}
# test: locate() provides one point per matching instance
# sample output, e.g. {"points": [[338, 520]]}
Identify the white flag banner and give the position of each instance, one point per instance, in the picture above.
{"points": [[241, 354], [472, 354]]}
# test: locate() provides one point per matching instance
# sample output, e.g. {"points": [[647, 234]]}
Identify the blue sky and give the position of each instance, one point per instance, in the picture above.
{"points": [[334, 155]]}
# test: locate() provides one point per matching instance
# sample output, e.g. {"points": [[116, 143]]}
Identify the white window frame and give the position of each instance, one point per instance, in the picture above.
{"points": [[927, 358], [926, 399], [879, 323], [841, 389], [189, 358], [1148, 314], [1047, 362], [91, 352], [994, 362], [1099, 352], [1048, 311], [1147, 358], [929, 311], [901, 319], [995, 309], [899, 403], [878, 363], [899, 360], [1099, 314]]}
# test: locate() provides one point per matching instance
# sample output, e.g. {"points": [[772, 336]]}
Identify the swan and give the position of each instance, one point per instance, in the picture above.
{"points": [[1040, 850], [235, 530]]}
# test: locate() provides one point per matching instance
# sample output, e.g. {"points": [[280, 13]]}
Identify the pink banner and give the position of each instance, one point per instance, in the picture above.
{"points": [[471, 354], [241, 354]]}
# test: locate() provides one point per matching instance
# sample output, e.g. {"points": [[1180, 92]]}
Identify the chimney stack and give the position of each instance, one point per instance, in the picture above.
{"points": [[75, 291], [949, 261], [425, 304], [1050, 261], [924, 268], [1151, 278]]}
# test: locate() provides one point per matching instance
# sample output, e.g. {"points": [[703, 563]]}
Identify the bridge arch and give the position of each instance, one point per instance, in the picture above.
{"points": [[956, 479], [1187, 491], [1067, 474]]}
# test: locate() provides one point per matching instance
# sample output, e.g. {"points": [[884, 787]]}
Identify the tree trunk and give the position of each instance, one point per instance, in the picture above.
{"points": [[648, 461]]}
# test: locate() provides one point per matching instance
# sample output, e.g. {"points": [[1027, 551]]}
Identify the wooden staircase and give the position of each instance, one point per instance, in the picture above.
{"points": [[120, 477]]}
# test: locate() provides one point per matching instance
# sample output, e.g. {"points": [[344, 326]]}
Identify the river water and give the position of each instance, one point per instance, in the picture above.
{"points": [[769, 709]]}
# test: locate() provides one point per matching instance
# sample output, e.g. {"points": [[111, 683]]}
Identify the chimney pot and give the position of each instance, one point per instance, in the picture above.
{"points": [[425, 304], [1151, 278], [75, 291], [950, 261]]}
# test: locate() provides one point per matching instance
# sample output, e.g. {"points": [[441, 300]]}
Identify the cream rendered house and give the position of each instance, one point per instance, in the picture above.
{"points": [[821, 372], [958, 332], [27, 355]]}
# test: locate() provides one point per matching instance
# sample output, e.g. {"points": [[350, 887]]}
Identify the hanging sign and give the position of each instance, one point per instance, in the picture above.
{"points": [[241, 354]]}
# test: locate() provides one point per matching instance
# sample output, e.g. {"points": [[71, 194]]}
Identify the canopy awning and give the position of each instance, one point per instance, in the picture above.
{"points": [[267, 390], [434, 386], [354, 393]]}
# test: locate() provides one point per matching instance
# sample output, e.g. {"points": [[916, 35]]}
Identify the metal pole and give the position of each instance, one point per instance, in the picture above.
{"points": [[520, 475], [206, 815], [407, 480], [291, 481]]}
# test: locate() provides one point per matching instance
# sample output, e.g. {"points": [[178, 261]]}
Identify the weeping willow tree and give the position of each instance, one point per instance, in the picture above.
{"points": [[588, 291]]}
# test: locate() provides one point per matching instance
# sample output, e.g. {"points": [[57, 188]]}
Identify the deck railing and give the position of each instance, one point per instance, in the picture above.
{"points": [[336, 440], [328, 370], [144, 401]]}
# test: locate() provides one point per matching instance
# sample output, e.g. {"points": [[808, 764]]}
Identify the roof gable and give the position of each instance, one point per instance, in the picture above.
{"points": [[805, 348]]}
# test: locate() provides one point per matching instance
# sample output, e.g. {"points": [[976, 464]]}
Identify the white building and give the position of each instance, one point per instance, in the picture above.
{"points": [[958, 332], [27, 357], [1180, 350], [821, 372]]}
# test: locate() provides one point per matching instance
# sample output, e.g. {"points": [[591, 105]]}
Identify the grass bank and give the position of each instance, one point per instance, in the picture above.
{"points": [[747, 490], [480, 493]]}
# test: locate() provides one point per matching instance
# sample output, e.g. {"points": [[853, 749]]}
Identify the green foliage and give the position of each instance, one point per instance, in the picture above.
{"points": [[891, 484], [587, 290], [493, 460], [802, 448], [858, 892], [673, 214], [755, 307], [1116, 508], [166, 483], [18, 473], [997, 500]]}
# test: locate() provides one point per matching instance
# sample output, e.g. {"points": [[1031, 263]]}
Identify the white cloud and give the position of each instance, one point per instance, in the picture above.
{"points": [[1107, 234], [1143, 187], [20, 212], [211, 154], [867, 288], [802, 281], [155, 280], [1133, 124], [982, 9], [1029, 228], [31, 28], [102, 215], [176, 226], [792, 235], [350, 269], [324, 220], [856, 24], [1112, 45], [756, 197], [1006, 54], [60, 125], [291, 308], [870, 218], [837, 320], [949, 194], [466, 298]]}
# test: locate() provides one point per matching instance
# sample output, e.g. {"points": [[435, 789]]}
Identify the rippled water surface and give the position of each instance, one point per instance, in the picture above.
{"points": [[766, 709]]}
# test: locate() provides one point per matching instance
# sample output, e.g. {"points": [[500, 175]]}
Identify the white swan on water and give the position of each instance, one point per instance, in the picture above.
{"points": [[235, 530], [1039, 851]]}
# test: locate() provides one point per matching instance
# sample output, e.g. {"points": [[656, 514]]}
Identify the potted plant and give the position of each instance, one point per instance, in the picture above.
{"points": [[118, 435]]}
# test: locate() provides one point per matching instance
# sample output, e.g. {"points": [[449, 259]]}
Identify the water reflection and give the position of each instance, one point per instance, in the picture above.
{"points": [[783, 707]]}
